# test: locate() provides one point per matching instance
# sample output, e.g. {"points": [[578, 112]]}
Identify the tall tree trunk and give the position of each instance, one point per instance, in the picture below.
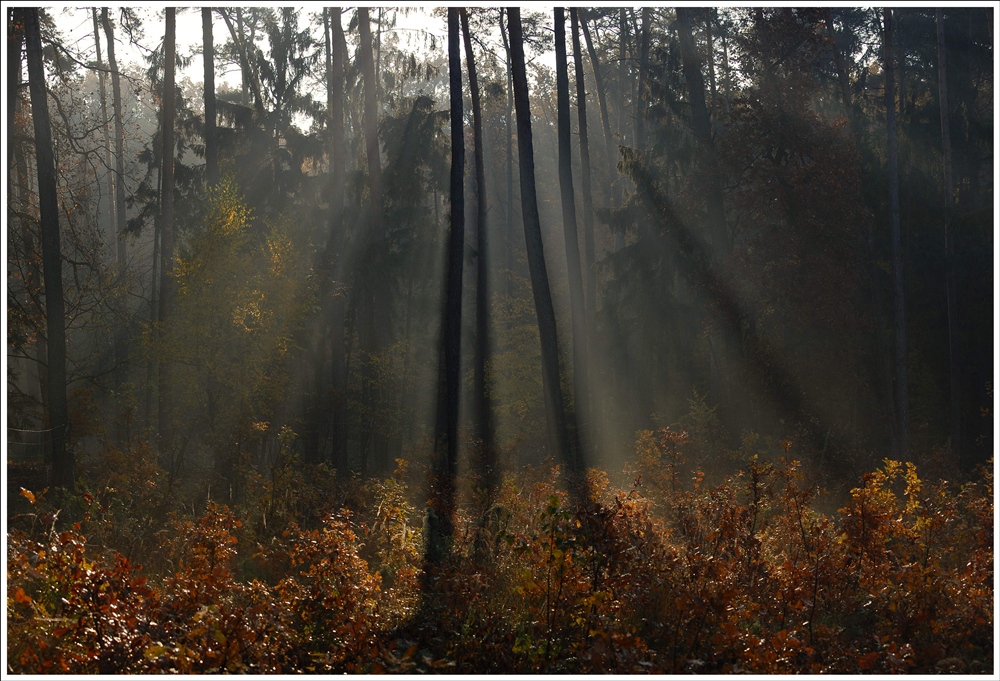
{"points": [[727, 77], [105, 129], [375, 319], [896, 244], [581, 384], [488, 471], [724, 344], [611, 152], [590, 280], [884, 354], [954, 366], [116, 98], [121, 353], [508, 120], [441, 509], [165, 409], [838, 60], [371, 124], [15, 42], [338, 153], [709, 19], [63, 461], [211, 142], [17, 184], [619, 238], [640, 100], [561, 421]]}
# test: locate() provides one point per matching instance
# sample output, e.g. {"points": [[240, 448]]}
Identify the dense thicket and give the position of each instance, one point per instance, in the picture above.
{"points": [[236, 277]]}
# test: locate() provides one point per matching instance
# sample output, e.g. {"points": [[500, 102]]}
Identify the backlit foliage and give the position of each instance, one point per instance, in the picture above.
{"points": [[671, 575]]}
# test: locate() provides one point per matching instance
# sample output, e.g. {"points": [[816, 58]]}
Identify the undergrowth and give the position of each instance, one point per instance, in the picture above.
{"points": [[670, 575]]}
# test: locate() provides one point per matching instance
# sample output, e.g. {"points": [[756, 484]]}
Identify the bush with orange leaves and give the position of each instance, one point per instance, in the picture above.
{"points": [[672, 575]]}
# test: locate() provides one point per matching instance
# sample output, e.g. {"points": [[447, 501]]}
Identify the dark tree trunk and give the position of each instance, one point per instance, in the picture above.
{"points": [[116, 98], [640, 100], [561, 422], [590, 280], [622, 71], [709, 19], [105, 129], [373, 326], [702, 126], [611, 152], [725, 345], [338, 153], [509, 210], [727, 76], [371, 124], [63, 461], [488, 471], [165, 410], [838, 60], [211, 143], [896, 244], [120, 340], [581, 385], [445, 470], [15, 42], [954, 365]]}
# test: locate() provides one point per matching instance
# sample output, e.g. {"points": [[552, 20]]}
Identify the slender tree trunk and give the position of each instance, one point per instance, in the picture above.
{"points": [[116, 97], [165, 409], [900, 51], [371, 125], [561, 421], [211, 142], [581, 384], [590, 279], [509, 210], [154, 303], [249, 75], [622, 71], [724, 344], [17, 186], [640, 100], [338, 155], [105, 129], [63, 461], [954, 364], [15, 42], [488, 471], [121, 353], [727, 80], [709, 19], [884, 354], [374, 329], [441, 509], [614, 185], [898, 285], [702, 126], [838, 60], [240, 40]]}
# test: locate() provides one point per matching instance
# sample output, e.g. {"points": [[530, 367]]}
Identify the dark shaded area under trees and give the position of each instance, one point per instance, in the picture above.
{"points": [[698, 379]]}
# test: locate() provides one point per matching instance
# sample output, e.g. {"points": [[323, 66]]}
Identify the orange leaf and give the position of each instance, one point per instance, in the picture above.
{"points": [[867, 661], [28, 495]]}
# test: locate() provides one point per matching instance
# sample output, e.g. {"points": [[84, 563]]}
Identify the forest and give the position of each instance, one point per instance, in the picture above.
{"points": [[500, 340]]}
